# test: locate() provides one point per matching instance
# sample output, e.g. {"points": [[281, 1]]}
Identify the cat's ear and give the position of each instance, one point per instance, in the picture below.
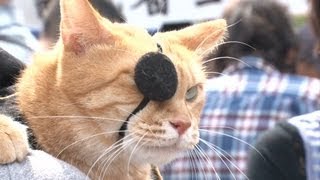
{"points": [[80, 24], [202, 37]]}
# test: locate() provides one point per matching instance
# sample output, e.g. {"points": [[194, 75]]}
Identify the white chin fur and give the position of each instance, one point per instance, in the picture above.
{"points": [[163, 151], [156, 156], [160, 155]]}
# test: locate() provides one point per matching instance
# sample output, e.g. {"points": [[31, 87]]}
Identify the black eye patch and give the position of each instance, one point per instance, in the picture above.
{"points": [[156, 76]]}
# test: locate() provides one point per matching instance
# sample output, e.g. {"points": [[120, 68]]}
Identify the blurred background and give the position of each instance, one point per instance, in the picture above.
{"points": [[34, 24], [154, 14]]}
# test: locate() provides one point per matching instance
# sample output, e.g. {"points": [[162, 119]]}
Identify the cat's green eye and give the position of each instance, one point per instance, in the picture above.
{"points": [[192, 93]]}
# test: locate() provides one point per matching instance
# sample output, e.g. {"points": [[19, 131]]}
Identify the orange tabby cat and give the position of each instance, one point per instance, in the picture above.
{"points": [[77, 98]]}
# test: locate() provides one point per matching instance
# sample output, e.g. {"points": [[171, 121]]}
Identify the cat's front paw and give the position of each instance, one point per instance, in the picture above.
{"points": [[13, 140]]}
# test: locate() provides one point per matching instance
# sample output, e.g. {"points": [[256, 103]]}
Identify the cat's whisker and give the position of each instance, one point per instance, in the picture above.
{"points": [[211, 34], [7, 97], [208, 160], [219, 150], [219, 155], [109, 159], [215, 46], [116, 154], [119, 147], [204, 41], [148, 140], [87, 138], [200, 150], [235, 23], [193, 165], [105, 152], [78, 117], [198, 157], [226, 57], [196, 152], [218, 73], [134, 148], [233, 137], [220, 127], [236, 42]]}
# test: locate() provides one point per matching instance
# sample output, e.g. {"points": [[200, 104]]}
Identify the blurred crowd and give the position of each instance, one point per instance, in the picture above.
{"points": [[263, 92]]}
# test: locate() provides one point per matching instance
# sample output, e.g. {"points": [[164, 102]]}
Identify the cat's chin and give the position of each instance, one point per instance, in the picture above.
{"points": [[160, 155], [163, 150]]}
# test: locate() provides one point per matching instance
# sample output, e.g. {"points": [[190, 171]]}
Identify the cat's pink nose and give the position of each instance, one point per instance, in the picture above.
{"points": [[180, 125]]}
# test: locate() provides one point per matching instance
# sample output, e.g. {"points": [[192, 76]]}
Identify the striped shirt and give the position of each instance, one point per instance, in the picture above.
{"points": [[249, 98]]}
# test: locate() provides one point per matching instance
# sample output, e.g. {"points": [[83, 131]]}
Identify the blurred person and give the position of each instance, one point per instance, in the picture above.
{"points": [[252, 94], [314, 18], [308, 63], [291, 150], [49, 12], [15, 38]]}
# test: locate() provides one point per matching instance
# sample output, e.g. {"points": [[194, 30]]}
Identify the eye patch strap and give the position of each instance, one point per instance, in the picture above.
{"points": [[124, 126], [156, 78]]}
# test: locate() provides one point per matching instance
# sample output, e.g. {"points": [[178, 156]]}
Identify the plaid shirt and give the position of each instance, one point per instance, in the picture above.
{"points": [[249, 98]]}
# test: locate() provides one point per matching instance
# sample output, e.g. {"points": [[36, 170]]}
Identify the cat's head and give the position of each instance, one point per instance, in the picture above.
{"points": [[95, 72]]}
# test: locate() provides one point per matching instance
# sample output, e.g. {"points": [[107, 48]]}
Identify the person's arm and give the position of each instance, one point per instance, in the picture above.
{"points": [[38, 166], [283, 155]]}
